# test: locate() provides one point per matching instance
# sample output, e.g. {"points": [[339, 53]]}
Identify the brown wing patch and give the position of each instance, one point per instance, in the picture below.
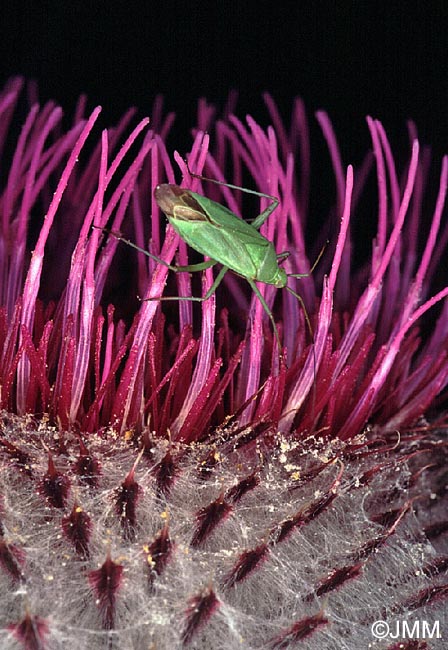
{"points": [[190, 212]]}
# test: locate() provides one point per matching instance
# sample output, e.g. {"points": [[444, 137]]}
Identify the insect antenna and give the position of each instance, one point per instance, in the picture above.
{"points": [[274, 199], [282, 256], [310, 329], [119, 237]]}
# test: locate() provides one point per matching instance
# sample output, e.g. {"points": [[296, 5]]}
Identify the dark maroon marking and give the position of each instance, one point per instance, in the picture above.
{"points": [[245, 485], [21, 459], [55, 486], [158, 553], [337, 578], [286, 527], [31, 632], [299, 631], [200, 609], [105, 583], [77, 527], [247, 562], [12, 558], [127, 497], [427, 596], [308, 476], [87, 467], [208, 518], [165, 473], [369, 474], [436, 567], [370, 547]]}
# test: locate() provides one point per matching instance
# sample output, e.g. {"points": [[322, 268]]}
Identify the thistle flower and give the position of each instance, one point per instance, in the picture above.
{"points": [[169, 479]]}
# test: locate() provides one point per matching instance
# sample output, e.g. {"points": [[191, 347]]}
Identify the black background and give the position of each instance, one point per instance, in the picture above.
{"points": [[387, 59]]}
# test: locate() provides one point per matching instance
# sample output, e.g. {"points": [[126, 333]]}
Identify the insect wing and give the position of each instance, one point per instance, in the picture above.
{"points": [[218, 244], [224, 218]]}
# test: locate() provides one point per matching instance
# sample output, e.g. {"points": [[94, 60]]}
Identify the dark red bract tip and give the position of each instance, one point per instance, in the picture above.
{"points": [[436, 566], [105, 583], [299, 631], [427, 596], [245, 485], [337, 578], [55, 486], [11, 559], [159, 553], [126, 504], [87, 467], [247, 562], [200, 609], [20, 458], [165, 473], [31, 632], [77, 527], [208, 518]]}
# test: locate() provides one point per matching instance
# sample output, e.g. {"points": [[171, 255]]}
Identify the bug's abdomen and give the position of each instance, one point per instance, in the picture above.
{"points": [[218, 245], [243, 250], [269, 271]]}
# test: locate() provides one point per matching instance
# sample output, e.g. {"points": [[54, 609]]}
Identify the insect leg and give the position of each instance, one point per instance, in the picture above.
{"points": [[190, 268], [209, 293], [258, 221], [315, 263], [302, 304], [310, 329], [256, 291], [283, 256], [193, 268]]}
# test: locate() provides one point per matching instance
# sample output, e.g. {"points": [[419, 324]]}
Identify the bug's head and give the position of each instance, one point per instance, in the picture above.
{"points": [[172, 198]]}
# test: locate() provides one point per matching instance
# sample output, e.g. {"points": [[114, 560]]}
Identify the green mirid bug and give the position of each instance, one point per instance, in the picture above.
{"points": [[214, 231]]}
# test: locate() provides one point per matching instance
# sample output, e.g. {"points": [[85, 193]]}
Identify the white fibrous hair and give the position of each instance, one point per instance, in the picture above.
{"points": [[110, 544]]}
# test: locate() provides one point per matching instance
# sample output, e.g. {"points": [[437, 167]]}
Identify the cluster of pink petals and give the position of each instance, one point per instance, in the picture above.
{"points": [[63, 350]]}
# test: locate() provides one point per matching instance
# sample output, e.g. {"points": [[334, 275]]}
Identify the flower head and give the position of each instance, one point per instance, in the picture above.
{"points": [[191, 481], [74, 359]]}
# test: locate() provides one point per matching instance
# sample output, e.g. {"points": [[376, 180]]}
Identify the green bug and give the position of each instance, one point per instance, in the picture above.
{"points": [[216, 232]]}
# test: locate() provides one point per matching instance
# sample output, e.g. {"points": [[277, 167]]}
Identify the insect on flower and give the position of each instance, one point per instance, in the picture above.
{"points": [[215, 231]]}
